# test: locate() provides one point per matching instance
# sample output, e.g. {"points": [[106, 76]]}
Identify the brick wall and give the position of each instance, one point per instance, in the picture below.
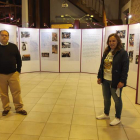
{"points": [[135, 11]]}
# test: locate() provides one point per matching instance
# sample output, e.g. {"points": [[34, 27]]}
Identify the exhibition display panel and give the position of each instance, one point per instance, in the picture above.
{"points": [[133, 53], [91, 50], [70, 50], [29, 49], [138, 82], [138, 85], [49, 50], [74, 50]]}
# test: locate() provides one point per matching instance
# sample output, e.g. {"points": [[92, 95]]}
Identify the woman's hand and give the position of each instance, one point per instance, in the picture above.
{"points": [[99, 81], [120, 85]]}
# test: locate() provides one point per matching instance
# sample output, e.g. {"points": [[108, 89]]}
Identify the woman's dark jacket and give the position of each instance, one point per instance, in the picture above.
{"points": [[120, 68]]}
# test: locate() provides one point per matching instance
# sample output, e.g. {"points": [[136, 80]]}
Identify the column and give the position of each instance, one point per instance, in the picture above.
{"points": [[25, 13], [76, 24]]}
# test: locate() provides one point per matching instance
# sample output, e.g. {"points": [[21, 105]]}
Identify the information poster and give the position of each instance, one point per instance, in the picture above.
{"points": [[91, 50], [29, 49], [70, 47], [49, 47]]}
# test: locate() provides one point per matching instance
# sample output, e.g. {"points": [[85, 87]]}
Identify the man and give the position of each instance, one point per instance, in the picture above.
{"points": [[10, 67]]}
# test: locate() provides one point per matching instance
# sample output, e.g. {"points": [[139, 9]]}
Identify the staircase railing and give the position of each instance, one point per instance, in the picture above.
{"points": [[95, 7]]}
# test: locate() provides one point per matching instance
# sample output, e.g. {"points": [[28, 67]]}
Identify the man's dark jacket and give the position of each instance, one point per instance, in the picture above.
{"points": [[10, 59]]}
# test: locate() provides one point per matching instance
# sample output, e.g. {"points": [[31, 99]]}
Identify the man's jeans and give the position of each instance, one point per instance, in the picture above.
{"points": [[107, 92]]}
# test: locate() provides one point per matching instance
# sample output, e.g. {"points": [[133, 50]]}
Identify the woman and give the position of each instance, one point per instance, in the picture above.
{"points": [[113, 75]]}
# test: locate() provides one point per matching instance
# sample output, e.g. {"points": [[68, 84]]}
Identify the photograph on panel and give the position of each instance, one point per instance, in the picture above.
{"points": [[137, 59], [55, 49], [26, 57], [24, 46], [25, 34], [66, 54], [130, 53], [121, 33], [66, 45], [66, 35], [54, 37], [45, 54], [131, 40], [123, 45]]}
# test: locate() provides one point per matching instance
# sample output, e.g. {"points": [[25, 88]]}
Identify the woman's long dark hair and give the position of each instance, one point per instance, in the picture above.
{"points": [[118, 47]]}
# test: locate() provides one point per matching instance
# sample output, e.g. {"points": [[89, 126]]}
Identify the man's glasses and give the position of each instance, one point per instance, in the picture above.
{"points": [[4, 35]]}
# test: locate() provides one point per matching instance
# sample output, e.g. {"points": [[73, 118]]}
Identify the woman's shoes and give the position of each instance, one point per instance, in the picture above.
{"points": [[103, 116], [115, 122]]}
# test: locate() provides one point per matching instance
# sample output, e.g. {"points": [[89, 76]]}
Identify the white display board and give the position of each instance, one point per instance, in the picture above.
{"points": [[104, 40], [138, 84], [121, 30], [70, 49], [91, 50], [17, 35], [49, 49], [133, 53], [12, 29], [29, 49]]}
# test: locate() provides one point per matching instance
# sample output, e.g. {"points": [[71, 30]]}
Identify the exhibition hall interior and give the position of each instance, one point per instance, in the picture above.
{"points": [[61, 43]]}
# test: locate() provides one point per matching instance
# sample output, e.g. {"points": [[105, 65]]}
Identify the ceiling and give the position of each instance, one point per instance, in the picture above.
{"points": [[10, 9]]}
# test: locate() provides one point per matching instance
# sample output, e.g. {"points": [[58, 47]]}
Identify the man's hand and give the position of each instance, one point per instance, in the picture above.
{"points": [[120, 85], [99, 81]]}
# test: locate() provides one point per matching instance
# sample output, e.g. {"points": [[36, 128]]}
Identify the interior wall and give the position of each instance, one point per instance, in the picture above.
{"points": [[122, 3], [57, 10], [135, 11], [112, 9], [123, 9]]}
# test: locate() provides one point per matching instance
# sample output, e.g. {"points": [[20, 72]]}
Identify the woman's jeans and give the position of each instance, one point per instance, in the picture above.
{"points": [[107, 92]]}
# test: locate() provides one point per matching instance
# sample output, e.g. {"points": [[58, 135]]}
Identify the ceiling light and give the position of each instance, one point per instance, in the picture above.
{"points": [[129, 16], [65, 4]]}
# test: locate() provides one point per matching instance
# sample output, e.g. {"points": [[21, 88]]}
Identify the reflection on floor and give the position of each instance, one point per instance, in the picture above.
{"points": [[63, 107]]}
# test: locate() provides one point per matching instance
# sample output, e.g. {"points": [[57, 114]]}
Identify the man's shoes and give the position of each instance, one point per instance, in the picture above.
{"points": [[5, 112], [115, 122], [103, 116], [22, 112]]}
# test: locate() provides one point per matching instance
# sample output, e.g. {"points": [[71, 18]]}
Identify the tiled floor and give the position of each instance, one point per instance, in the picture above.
{"points": [[63, 107]]}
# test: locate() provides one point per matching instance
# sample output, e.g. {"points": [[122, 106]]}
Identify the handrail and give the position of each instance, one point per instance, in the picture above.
{"points": [[10, 4], [81, 4]]}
